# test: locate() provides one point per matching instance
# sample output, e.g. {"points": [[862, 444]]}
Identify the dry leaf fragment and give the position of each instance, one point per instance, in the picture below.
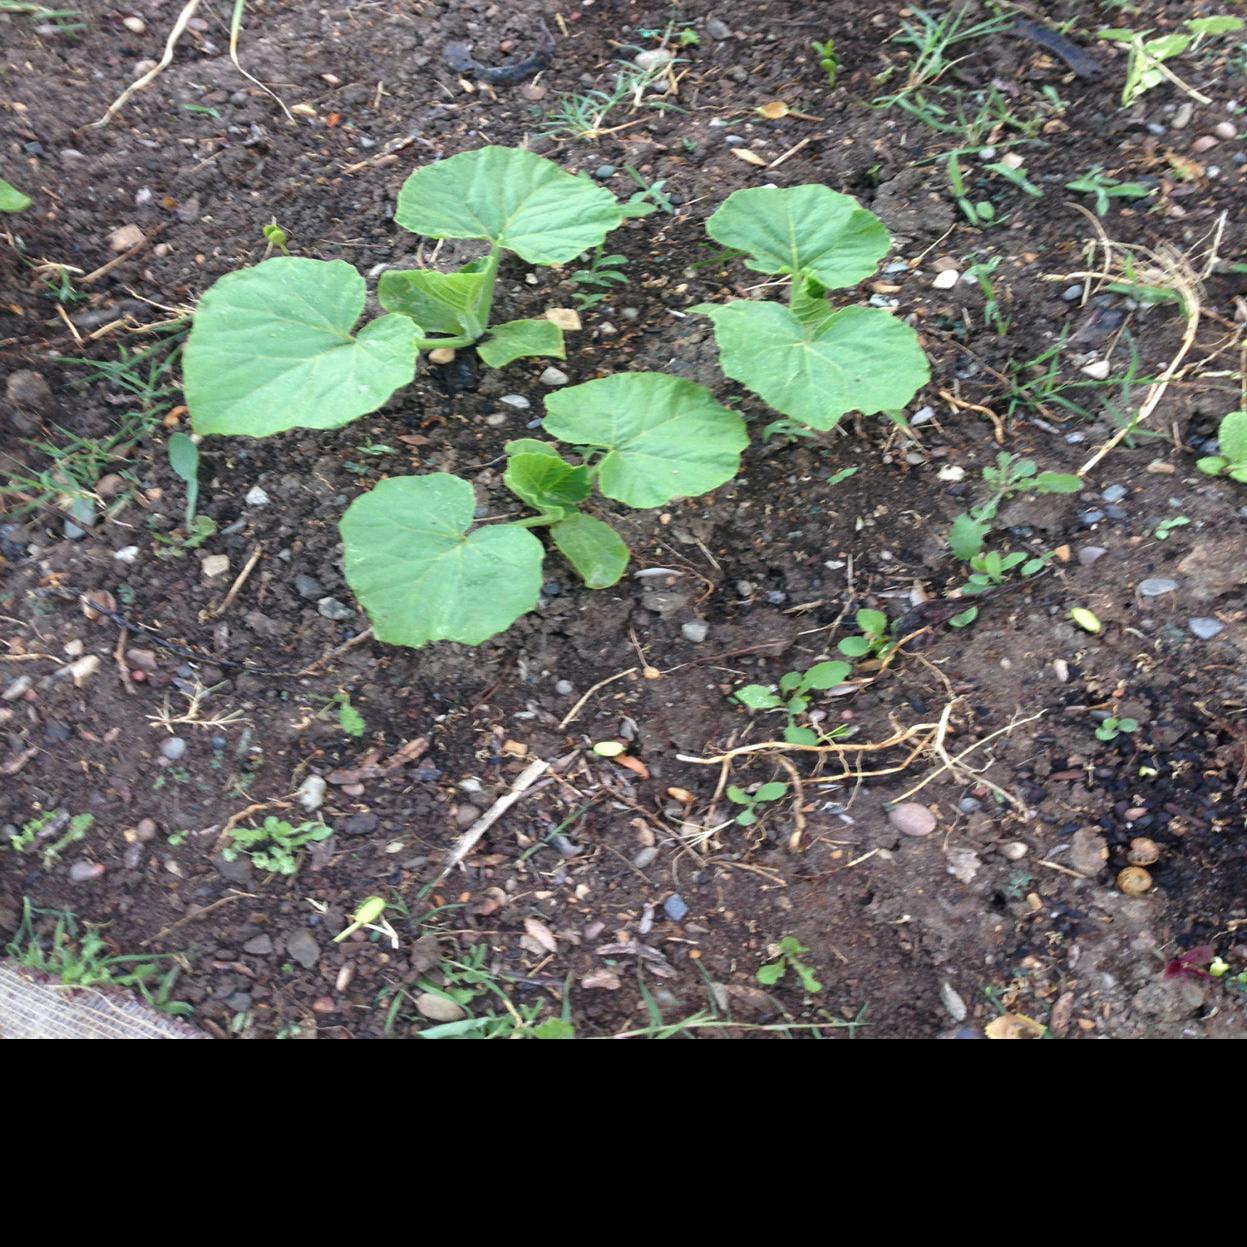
{"points": [[1013, 1026], [772, 110], [542, 934], [567, 318], [750, 158], [633, 764]]}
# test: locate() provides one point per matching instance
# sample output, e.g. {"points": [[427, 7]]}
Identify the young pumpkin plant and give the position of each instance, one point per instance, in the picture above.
{"points": [[275, 346], [423, 573], [808, 359]]}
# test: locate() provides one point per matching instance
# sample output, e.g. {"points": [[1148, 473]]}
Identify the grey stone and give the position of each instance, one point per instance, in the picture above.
{"points": [[1216, 566], [1114, 493], [675, 908], [260, 946], [256, 497], [696, 630], [1089, 554], [564, 688], [518, 401], [308, 587], [717, 29], [238, 871], [1088, 852], [302, 946], [645, 857], [360, 824], [173, 748], [331, 608], [1156, 586], [1205, 627]]}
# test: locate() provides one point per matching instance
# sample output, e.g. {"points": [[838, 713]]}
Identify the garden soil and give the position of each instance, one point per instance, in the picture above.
{"points": [[620, 894]]}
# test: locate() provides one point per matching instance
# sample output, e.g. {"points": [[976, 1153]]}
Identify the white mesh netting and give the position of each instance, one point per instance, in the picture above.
{"points": [[35, 1008]]}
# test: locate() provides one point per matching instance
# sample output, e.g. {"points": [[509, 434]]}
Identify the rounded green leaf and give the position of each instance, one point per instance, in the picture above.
{"points": [[438, 302], [757, 697], [1232, 437], [546, 482], [593, 548], [514, 198], [802, 229], [11, 199], [422, 577], [859, 359], [271, 349], [824, 675], [854, 646], [665, 438], [770, 792], [518, 338]]}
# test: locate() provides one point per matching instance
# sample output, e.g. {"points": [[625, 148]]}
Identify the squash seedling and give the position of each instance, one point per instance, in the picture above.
{"points": [[643, 439], [1112, 728], [1231, 457], [369, 916], [274, 347], [828, 61], [184, 460], [809, 360], [792, 697]]}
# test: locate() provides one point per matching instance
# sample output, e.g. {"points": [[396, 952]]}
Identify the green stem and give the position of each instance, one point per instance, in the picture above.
{"points": [[450, 344], [485, 303]]}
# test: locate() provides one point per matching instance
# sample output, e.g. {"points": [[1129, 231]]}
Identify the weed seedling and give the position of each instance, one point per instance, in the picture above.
{"points": [[793, 697], [1105, 189], [990, 570], [1010, 476], [349, 719], [828, 61], [874, 641], [786, 955], [369, 916], [1146, 68], [184, 460], [978, 212], [603, 274], [1165, 527], [763, 795], [1231, 457], [86, 961], [1111, 728], [274, 846], [981, 273], [11, 199]]}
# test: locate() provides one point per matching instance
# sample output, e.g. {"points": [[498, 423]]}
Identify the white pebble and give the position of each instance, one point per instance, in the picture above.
{"points": [[256, 497], [135, 25], [554, 376], [215, 565], [946, 280], [311, 794], [1097, 370], [127, 554]]}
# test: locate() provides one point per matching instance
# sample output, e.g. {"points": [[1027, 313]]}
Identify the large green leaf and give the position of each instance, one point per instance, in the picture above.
{"points": [[665, 438], [802, 229], [514, 198], [593, 548], [546, 482], [271, 349], [437, 302], [422, 577], [517, 338], [859, 359], [11, 199]]}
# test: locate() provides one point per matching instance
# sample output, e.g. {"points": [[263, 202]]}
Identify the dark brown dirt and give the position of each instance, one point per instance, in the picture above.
{"points": [[909, 935]]}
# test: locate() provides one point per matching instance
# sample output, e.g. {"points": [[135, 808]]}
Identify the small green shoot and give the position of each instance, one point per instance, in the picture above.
{"points": [[762, 795], [276, 238], [184, 460], [1165, 527], [349, 719], [786, 955], [874, 641], [1010, 476], [979, 212], [828, 61], [1112, 727], [11, 199]]}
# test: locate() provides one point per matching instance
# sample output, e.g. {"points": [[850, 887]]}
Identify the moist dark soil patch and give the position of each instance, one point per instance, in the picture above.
{"points": [[597, 888]]}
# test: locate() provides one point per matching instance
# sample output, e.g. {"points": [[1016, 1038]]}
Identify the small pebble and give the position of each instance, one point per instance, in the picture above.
{"points": [[695, 630], [127, 554], [946, 280], [260, 946], [308, 587], [1156, 586], [256, 497], [1205, 143], [912, 819], [602, 172], [717, 29], [1182, 118], [969, 805], [331, 608], [1088, 554], [953, 1002], [1205, 627], [554, 376], [1071, 294], [173, 748], [1014, 850], [311, 793], [1090, 517], [675, 908], [564, 688], [84, 872], [215, 565], [653, 58], [645, 857], [1225, 130], [1114, 493], [135, 25], [518, 401]]}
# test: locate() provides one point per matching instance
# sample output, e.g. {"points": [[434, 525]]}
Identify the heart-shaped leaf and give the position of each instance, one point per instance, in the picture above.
{"points": [[271, 349], [802, 229], [517, 338], [664, 437], [858, 359], [420, 574], [510, 197], [546, 482], [593, 548], [757, 697], [437, 302]]}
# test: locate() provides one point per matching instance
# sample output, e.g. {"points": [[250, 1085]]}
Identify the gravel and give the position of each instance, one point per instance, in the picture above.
{"points": [[1205, 627], [331, 608], [1157, 586], [173, 748], [912, 819], [696, 631], [302, 946]]}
